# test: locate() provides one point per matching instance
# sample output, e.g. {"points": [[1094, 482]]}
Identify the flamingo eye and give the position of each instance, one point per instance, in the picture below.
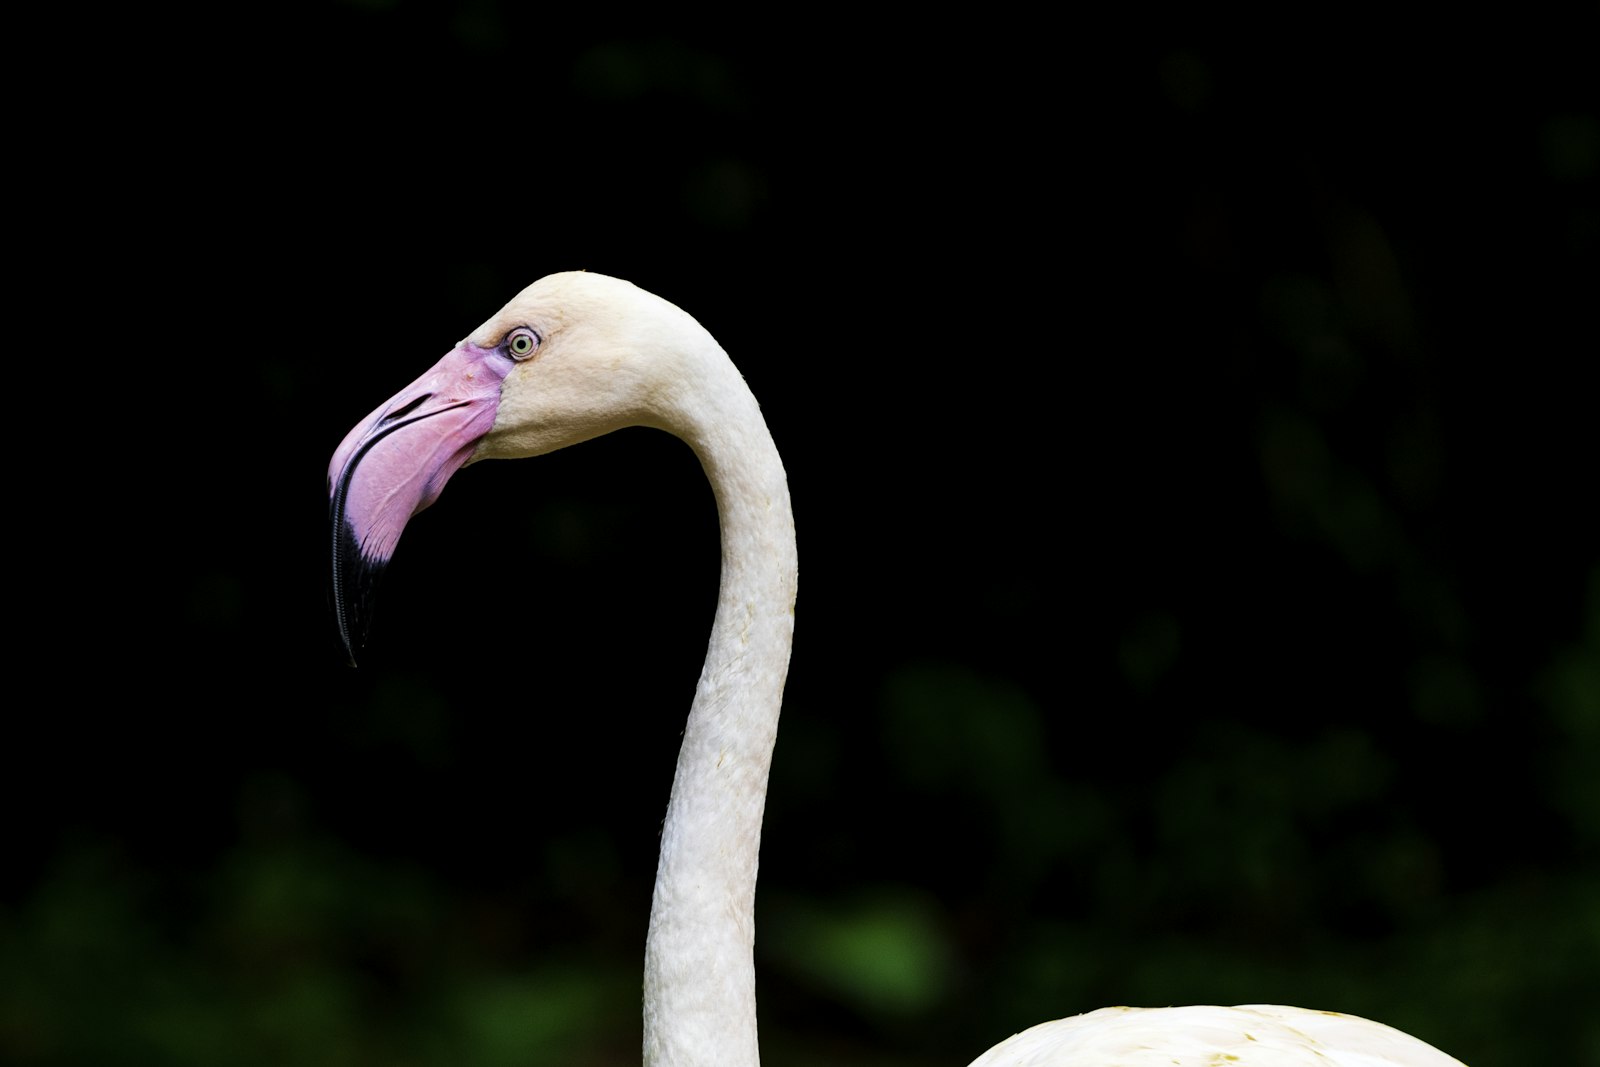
{"points": [[522, 343]]}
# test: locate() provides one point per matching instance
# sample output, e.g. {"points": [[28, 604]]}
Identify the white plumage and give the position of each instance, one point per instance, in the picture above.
{"points": [[1251, 1035], [582, 355]]}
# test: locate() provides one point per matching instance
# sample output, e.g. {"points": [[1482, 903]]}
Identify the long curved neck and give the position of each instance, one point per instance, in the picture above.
{"points": [[699, 979]]}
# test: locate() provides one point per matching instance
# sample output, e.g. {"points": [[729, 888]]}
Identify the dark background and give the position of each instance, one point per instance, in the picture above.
{"points": [[1191, 431]]}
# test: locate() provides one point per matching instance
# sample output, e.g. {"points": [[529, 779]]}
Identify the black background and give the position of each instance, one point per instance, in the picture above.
{"points": [[1191, 435]]}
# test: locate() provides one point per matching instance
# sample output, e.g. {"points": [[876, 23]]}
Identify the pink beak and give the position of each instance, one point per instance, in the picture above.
{"points": [[396, 462]]}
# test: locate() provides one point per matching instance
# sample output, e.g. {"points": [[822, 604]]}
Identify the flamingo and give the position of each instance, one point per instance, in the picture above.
{"points": [[577, 355]]}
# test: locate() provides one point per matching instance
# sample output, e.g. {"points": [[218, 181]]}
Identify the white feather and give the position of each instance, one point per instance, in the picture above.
{"points": [[1252, 1035]]}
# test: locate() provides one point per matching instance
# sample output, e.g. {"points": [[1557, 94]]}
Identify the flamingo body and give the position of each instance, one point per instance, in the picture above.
{"points": [[1251, 1035]]}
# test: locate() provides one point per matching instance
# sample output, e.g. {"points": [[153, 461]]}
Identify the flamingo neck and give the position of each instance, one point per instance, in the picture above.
{"points": [[699, 979]]}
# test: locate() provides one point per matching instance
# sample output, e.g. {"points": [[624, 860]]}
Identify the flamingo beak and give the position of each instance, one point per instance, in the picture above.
{"points": [[395, 463]]}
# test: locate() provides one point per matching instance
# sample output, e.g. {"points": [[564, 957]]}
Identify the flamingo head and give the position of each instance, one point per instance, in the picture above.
{"points": [[571, 357]]}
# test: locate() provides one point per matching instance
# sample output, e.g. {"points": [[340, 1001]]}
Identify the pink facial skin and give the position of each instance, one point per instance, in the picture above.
{"points": [[396, 462]]}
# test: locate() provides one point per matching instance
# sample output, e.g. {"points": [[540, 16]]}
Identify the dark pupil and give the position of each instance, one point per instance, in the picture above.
{"points": [[519, 344]]}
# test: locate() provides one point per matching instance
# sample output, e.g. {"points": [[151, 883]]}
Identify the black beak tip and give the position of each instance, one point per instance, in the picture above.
{"points": [[355, 582]]}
